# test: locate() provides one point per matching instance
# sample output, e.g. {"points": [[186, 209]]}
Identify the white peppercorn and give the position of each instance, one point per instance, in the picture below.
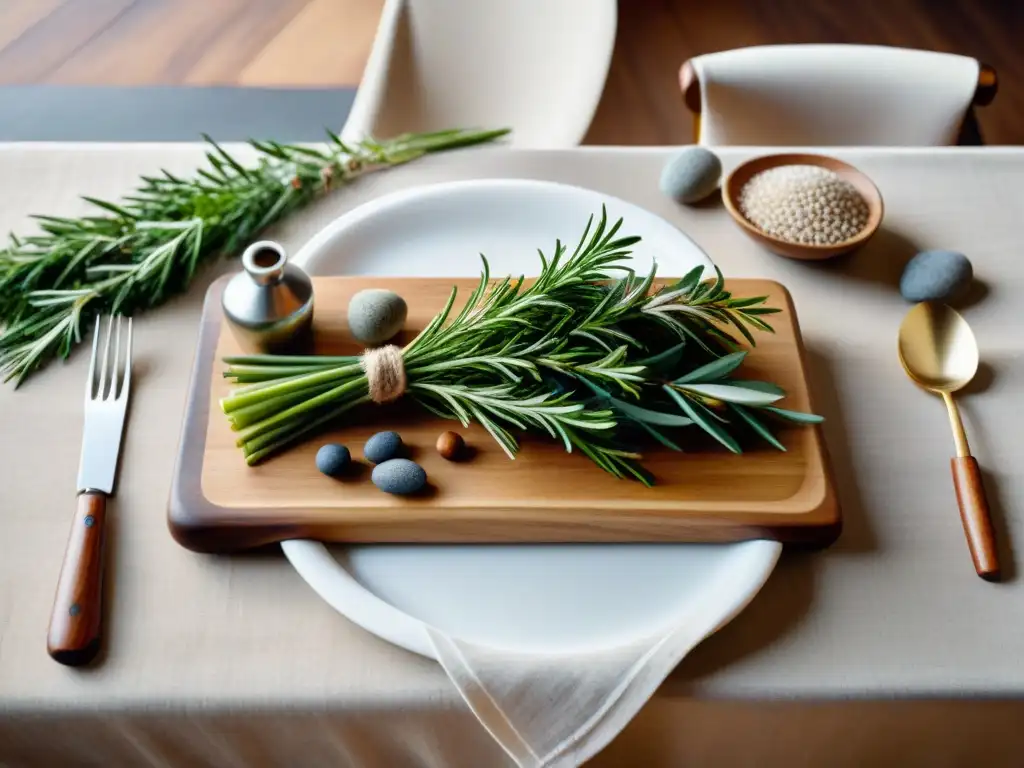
{"points": [[804, 204]]}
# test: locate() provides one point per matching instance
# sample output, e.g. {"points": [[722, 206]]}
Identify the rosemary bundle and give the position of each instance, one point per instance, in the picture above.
{"points": [[136, 253], [588, 352]]}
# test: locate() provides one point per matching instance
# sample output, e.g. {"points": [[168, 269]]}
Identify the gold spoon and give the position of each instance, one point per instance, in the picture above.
{"points": [[938, 351]]}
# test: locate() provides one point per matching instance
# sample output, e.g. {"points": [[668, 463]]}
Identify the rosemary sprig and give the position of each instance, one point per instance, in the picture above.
{"points": [[134, 254], [587, 353]]}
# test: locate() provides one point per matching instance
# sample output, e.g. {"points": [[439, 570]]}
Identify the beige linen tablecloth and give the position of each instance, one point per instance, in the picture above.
{"points": [[232, 661]]}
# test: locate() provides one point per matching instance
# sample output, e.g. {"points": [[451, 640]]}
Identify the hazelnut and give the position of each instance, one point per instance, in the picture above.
{"points": [[450, 445]]}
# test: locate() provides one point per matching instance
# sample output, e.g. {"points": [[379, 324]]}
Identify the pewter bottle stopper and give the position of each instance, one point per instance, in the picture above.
{"points": [[269, 304]]}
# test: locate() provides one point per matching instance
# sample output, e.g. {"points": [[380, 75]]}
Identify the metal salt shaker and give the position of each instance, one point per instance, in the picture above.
{"points": [[269, 304]]}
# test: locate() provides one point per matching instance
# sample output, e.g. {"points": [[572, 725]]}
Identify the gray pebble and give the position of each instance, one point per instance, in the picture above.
{"points": [[935, 276], [332, 459], [382, 446], [399, 476], [692, 175], [375, 315]]}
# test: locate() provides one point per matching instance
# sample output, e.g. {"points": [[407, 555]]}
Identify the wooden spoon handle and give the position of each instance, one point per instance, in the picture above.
{"points": [[76, 621], [970, 495]]}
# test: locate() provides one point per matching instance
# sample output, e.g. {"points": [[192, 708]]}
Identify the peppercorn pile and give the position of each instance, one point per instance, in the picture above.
{"points": [[804, 204]]}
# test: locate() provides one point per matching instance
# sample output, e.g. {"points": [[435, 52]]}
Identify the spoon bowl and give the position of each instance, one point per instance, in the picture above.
{"points": [[938, 351], [937, 348]]}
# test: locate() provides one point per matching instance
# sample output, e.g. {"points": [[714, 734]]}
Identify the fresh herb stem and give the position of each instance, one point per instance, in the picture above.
{"points": [[587, 353], [140, 251]]}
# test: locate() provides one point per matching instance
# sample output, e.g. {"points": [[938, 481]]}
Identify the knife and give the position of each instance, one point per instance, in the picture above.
{"points": [[76, 623]]}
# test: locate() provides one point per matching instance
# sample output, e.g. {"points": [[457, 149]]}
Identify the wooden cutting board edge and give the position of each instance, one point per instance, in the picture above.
{"points": [[202, 526]]}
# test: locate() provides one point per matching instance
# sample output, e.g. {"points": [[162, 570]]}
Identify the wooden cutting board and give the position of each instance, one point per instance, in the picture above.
{"points": [[220, 504]]}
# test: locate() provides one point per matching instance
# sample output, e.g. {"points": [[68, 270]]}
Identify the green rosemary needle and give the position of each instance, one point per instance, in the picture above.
{"points": [[136, 253], [588, 353]]}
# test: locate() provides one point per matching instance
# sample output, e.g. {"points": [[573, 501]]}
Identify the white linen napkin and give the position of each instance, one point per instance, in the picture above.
{"points": [[559, 710]]}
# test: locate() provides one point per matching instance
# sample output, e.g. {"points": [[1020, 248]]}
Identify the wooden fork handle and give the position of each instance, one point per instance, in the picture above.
{"points": [[974, 513], [76, 622]]}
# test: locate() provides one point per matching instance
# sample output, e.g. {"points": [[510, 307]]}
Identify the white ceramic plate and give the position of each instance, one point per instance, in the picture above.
{"points": [[531, 598]]}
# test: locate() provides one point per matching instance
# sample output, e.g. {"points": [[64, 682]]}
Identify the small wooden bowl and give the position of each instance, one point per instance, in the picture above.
{"points": [[740, 175]]}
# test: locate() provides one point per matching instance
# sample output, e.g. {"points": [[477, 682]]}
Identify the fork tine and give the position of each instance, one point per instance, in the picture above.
{"points": [[127, 363], [102, 390], [115, 373], [90, 383]]}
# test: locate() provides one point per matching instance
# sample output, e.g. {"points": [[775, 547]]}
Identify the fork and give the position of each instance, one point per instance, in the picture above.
{"points": [[76, 623]]}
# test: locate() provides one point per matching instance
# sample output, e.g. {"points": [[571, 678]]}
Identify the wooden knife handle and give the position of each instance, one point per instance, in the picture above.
{"points": [[76, 621], [970, 495]]}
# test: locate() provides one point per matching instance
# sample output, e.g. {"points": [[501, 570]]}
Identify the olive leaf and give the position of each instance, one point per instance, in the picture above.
{"points": [[757, 426], [795, 416], [731, 394], [647, 416], [716, 369], [664, 361], [699, 414], [760, 386]]}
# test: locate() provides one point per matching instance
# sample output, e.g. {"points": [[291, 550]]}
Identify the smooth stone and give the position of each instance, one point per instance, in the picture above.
{"points": [[399, 476], [692, 175], [382, 447], [332, 459], [935, 276], [376, 314]]}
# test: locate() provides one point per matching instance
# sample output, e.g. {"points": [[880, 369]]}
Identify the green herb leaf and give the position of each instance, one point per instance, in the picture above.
{"points": [[664, 361], [689, 280], [149, 245], [757, 426], [760, 386], [543, 357], [659, 436], [647, 416], [796, 416], [715, 370], [699, 414], [730, 394]]}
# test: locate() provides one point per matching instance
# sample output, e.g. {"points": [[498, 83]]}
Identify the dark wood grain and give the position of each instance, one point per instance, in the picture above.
{"points": [[76, 622], [974, 512], [643, 103], [325, 43], [49, 41], [219, 504], [988, 86], [186, 42]]}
